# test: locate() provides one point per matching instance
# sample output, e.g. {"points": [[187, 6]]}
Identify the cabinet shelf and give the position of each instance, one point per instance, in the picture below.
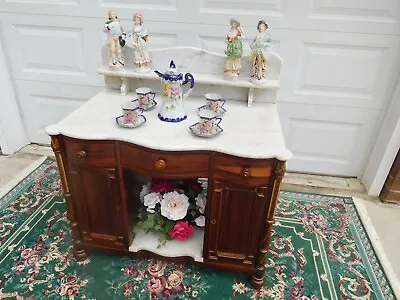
{"points": [[192, 247], [209, 79]]}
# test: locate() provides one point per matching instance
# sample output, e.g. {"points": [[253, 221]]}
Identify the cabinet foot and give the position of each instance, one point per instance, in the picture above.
{"points": [[257, 281], [79, 253]]}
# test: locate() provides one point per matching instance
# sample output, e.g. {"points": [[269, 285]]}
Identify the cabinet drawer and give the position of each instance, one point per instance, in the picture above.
{"points": [[177, 164], [96, 153], [242, 170]]}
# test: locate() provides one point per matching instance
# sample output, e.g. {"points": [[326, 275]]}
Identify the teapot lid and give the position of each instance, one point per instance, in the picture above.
{"points": [[173, 74]]}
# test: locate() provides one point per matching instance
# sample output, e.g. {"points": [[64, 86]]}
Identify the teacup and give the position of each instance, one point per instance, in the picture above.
{"points": [[208, 122], [214, 102], [145, 97], [132, 112]]}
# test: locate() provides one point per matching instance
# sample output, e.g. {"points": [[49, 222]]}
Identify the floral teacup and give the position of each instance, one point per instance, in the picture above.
{"points": [[145, 97], [132, 112], [209, 121], [215, 102]]}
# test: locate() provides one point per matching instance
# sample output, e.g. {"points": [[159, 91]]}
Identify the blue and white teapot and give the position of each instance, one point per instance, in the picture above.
{"points": [[172, 108]]}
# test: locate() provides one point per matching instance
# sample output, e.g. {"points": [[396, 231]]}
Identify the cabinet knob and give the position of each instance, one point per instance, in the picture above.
{"points": [[213, 221], [160, 164], [246, 172], [81, 154]]}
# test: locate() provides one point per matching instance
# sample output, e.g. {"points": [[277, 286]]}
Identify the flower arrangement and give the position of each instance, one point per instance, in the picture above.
{"points": [[171, 208]]}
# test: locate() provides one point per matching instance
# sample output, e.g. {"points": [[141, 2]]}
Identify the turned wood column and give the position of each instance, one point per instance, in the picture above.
{"points": [[258, 277], [77, 247]]}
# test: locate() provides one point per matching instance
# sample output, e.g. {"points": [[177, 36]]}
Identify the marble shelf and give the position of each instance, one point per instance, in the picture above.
{"points": [[209, 79], [252, 132], [192, 247]]}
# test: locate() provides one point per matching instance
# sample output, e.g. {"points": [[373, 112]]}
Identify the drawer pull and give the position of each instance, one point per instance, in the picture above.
{"points": [[245, 172], [160, 164], [213, 221], [81, 154]]}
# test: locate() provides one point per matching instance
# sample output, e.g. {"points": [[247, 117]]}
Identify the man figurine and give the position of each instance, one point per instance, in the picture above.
{"points": [[115, 40]]}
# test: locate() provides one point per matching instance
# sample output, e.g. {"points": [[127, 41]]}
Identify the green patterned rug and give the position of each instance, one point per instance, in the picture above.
{"points": [[319, 250]]}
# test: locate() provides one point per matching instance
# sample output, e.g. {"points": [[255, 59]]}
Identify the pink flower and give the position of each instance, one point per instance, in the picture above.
{"points": [[128, 271], [174, 91], [71, 280], [161, 185], [72, 290], [156, 285], [181, 231]]}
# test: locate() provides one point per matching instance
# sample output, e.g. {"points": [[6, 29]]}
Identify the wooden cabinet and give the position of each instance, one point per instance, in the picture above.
{"points": [[96, 193], [391, 189], [102, 182], [235, 222]]}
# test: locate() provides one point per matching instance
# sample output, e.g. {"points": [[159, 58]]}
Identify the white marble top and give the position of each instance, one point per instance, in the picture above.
{"points": [[253, 132]]}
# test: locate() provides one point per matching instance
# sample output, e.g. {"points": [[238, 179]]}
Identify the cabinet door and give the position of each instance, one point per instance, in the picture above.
{"points": [[235, 222], [95, 191]]}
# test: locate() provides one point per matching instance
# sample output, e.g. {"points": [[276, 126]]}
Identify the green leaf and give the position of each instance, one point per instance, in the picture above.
{"points": [[169, 225]]}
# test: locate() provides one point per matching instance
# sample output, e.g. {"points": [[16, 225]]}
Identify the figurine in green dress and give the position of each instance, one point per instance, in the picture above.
{"points": [[233, 49]]}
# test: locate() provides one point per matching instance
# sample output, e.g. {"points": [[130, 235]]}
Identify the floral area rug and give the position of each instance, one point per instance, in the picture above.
{"points": [[319, 250]]}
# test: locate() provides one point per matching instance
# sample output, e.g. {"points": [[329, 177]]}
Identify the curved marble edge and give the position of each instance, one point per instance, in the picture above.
{"points": [[53, 130]]}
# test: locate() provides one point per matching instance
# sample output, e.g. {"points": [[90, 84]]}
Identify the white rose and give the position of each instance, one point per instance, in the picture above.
{"points": [[150, 200], [174, 206], [200, 221], [145, 190], [201, 201]]}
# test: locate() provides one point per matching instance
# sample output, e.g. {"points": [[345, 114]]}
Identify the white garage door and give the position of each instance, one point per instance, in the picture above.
{"points": [[340, 60]]}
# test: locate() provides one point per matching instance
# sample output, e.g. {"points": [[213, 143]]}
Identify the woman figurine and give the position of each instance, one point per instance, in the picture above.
{"points": [[259, 52], [141, 51], [233, 49], [115, 40]]}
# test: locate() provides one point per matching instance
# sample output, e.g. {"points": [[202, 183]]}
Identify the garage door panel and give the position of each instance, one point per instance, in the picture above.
{"points": [[339, 69], [52, 49], [43, 104], [368, 16], [327, 139], [384, 10]]}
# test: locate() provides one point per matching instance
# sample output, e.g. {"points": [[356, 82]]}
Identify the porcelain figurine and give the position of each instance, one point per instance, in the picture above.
{"points": [[233, 49], [259, 52], [172, 108], [141, 51], [115, 40]]}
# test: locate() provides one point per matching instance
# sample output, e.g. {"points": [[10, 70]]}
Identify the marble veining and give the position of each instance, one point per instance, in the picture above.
{"points": [[253, 132]]}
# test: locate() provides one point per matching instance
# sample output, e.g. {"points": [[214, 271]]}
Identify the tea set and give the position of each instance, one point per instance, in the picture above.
{"points": [[172, 108]]}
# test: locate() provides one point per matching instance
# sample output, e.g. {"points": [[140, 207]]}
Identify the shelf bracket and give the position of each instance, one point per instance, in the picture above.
{"points": [[125, 86], [250, 97]]}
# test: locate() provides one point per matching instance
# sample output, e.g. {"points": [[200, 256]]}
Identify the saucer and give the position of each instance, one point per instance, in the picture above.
{"points": [[149, 106], [195, 128], [121, 123], [223, 110]]}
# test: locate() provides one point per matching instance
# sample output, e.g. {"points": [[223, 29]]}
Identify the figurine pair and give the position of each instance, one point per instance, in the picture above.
{"points": [[258, 54], [116, 40]]}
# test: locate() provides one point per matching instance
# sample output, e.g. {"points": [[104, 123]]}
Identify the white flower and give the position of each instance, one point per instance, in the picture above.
{"points": [[174, 206], [200, 221], [150, 200], [201, 201], [145, 190]]}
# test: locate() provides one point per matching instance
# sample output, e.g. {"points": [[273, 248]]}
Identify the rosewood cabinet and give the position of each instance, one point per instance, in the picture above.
{"points": [[102, 181], [96, 193], [235, 222]]}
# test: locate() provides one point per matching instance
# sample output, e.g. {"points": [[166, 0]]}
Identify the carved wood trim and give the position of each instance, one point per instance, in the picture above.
{"points": [[258, 277], [79, 252]]}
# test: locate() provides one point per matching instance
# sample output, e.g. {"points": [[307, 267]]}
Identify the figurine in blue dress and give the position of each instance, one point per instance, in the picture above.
{"points": [[259, 52]]}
